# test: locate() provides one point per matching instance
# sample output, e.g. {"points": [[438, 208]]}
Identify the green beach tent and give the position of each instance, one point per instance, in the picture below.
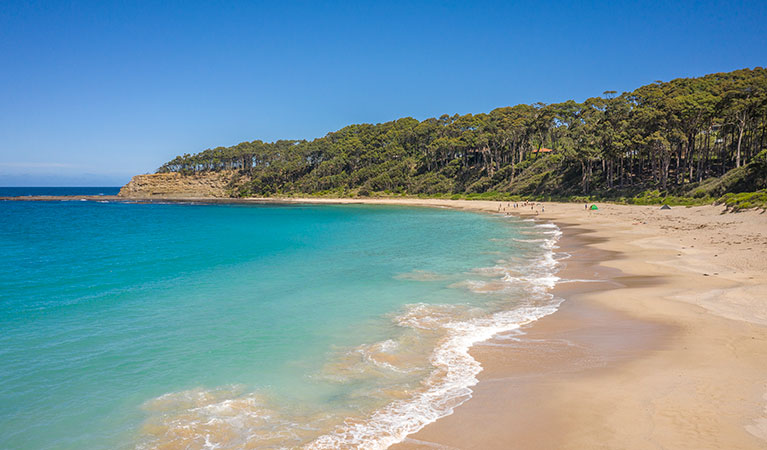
{"points": [[593, 207]]}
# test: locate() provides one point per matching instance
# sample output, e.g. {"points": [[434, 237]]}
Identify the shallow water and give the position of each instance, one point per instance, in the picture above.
{"points": [[220, 326]]}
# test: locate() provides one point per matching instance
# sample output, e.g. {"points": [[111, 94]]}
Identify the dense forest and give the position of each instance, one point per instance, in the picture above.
{"points": [[676, 137]]}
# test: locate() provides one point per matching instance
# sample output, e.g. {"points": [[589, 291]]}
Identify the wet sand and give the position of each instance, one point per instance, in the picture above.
{"points": [[667, 350], [665, 347]]}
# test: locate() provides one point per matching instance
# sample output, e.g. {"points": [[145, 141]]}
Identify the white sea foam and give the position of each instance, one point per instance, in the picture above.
{"points": [[455, 370], [376, 354], [530, 240], [448, 386], [230, 418], [215, 419]]}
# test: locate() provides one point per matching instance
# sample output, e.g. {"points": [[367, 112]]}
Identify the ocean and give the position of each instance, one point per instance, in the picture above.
{"points": [[261, 326]]}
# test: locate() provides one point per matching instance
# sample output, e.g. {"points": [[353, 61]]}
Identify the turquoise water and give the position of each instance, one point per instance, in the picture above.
{"points": [[202, 326]]}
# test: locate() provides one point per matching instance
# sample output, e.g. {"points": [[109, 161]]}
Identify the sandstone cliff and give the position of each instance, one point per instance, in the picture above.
{"points": [[176, 185]]}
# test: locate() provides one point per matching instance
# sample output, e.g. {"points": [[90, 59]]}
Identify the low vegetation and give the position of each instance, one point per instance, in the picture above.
{"points": [[745, 200]]}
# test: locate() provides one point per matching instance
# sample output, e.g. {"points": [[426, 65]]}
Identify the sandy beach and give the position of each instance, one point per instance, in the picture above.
{"points": [[664, 345], [661, 342]]}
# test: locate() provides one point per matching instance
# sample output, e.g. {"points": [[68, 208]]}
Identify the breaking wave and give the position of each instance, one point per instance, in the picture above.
{"points": [[405, 382], [455, 370]]}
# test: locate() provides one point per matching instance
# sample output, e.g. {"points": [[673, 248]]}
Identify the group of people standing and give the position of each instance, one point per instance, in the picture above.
{"points": [[533, 207]]}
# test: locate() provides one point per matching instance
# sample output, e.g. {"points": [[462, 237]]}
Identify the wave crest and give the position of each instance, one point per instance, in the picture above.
{"points": [[391, 376]]}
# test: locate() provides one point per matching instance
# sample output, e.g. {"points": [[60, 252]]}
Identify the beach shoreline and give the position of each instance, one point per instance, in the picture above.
{"points": [[666, 350], [662, 344]]}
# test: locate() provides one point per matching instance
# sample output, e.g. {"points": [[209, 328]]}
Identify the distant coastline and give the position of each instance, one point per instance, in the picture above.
{"points": [[685, 141], [383, 226]]}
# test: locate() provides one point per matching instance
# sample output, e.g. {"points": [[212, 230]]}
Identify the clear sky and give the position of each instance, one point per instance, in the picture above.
{"points": [[94, 92]]}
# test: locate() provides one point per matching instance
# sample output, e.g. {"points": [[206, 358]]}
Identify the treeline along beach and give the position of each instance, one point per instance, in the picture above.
{"points": [[693, 137]]}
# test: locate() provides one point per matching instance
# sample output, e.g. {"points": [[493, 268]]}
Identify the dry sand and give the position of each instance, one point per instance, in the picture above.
{"points": [[667, 348]]}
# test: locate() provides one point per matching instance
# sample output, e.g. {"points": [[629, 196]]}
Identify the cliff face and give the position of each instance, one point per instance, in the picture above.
{"points": [[176, 185]]}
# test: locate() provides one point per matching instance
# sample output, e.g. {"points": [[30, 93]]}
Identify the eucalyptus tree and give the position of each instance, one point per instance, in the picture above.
{"points": [[704, 126]]}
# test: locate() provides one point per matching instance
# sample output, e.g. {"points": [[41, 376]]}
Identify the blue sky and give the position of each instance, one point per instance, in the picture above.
{"points": [[94, 92]]}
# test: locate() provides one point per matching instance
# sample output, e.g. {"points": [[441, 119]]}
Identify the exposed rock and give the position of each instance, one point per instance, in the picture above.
{"points": [[176, 185]]}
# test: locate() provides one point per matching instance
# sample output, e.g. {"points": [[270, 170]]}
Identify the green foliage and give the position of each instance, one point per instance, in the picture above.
{"points": [[750, 177], [686, 141], [745, 200], [656, 197], [648, 198]]}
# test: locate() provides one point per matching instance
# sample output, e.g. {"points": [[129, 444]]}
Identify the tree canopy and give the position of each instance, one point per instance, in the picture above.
{"points": [[664, 135]]}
